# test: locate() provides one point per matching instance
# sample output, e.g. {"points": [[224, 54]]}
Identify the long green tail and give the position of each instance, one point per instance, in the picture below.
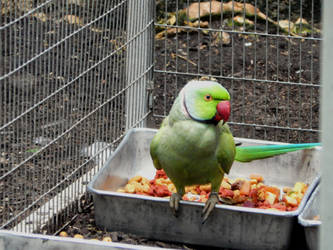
{"points": [[250, 153]]}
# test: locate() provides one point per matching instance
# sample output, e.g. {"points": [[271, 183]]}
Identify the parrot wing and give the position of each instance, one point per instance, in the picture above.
{"points": [[154, 144], [226, 150]]}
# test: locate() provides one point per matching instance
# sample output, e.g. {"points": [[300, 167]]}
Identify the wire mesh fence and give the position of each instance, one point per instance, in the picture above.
{"points": [[70, 75], [76, 74], [266, 53]]}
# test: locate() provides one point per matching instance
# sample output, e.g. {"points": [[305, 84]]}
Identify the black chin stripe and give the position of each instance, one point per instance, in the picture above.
{"points": [[210, 121]]}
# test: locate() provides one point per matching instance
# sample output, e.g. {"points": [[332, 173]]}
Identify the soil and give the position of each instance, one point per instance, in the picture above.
{"points": [[84, 224]]}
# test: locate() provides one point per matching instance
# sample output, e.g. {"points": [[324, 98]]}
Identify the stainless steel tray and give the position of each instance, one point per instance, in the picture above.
{"points": [[227, 226], [311, 226]]}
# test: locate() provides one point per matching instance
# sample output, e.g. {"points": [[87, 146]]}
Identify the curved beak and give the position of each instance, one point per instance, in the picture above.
{"points": [[223, 109]]}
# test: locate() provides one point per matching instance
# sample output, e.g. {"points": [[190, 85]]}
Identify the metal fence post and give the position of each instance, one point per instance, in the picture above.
{"points": [[139, 60], [326, 240]]}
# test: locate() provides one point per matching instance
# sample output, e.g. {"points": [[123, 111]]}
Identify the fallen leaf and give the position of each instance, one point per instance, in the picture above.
{"points": [[172, 20], [41, 16], [301, 21], [241, 20], [74, 20], [196, 24], [221, 36], [168, 32], [286, 25], [202, 9]]}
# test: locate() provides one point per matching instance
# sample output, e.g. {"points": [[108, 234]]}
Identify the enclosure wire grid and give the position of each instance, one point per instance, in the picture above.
{"points": [[73, 78], [266, 53]]}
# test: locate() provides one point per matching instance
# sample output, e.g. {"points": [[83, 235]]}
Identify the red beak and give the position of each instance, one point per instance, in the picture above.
{"points": [[223, 111]]}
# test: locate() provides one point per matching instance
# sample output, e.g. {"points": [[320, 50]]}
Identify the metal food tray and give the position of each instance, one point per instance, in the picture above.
{"points": [[227, 226], [311, 226]]}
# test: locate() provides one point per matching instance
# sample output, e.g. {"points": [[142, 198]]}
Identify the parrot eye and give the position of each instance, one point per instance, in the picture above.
{"points": [[208, 98]]}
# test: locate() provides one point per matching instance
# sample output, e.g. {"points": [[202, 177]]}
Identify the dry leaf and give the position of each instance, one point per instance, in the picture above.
{"points": [[225, 38], [168, 32], [74, 20], [241, 20], [301, 21], [221, 36], [196, 24], [41, 16], [202, 9], [286, 25], [172, 20], [96, 30]]}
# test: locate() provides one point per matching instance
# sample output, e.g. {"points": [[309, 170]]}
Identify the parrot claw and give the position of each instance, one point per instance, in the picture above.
{"points": [[227, 201], [174, 203], [209, 206]]}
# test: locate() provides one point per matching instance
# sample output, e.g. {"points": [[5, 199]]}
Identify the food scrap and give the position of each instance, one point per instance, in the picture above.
{"points": [[240, 191]]}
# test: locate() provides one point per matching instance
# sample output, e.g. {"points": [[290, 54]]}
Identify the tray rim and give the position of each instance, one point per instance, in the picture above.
{"points": [[307, 222]]}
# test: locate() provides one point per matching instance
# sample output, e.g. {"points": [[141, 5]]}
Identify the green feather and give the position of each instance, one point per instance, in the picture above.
{"points": [[250, 153]]}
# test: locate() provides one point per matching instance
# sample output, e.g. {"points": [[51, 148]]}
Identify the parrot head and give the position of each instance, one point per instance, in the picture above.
{"points": [[206, 101]]}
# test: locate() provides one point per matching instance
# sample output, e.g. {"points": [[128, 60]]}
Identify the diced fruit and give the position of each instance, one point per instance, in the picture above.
{"points": [[290, 201], [253, 181], [248, 204], [273, 190], [236, 193], [247, 193], [130, 188], [226, 192], [280, 206], [245, 188], [300, 187], [236, 185], [287, 189], [270, 198], [63, 234], [206, 187], [257, 177], [226, 185], [137, 178]]}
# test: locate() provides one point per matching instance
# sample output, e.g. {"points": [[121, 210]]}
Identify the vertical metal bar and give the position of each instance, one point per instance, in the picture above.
{"points": [[300, 75], [134, 21], [311, 68], [326, 191], [277, 71], [289, 65], [165, 61], [254, 64]]}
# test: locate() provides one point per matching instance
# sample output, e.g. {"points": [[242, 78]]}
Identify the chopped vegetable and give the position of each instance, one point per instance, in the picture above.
{"points": [[251, 193]]}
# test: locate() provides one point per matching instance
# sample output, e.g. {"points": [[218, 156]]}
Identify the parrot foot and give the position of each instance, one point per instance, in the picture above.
{"points": [[209, 206], [174, 203], [228, 201]]}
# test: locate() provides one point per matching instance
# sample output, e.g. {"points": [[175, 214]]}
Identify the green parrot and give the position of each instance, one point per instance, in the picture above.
{"points": [[194, 144]]}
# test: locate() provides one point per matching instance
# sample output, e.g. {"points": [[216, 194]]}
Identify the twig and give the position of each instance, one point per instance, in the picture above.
{"points": [[184, 58]]}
